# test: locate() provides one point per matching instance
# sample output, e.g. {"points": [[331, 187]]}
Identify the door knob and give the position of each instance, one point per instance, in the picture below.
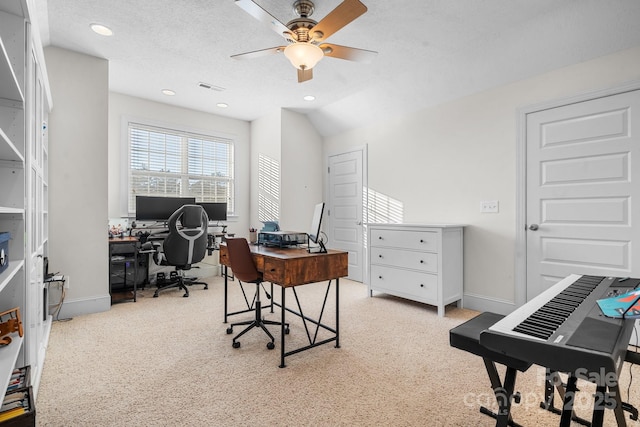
{"points": [[533, 227]]}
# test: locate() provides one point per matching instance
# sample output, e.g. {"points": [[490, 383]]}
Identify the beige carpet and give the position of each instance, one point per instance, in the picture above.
{"points": [[168, 361]]}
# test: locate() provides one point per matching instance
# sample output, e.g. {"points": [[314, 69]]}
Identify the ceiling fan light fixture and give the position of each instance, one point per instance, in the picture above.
{"points": [[303, 56]]}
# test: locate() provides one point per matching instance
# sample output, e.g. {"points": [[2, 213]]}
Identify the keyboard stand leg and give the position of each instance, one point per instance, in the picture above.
{"points": [[569, 398], [553, 378], [614, 393], [504, 393], [600, 401]]}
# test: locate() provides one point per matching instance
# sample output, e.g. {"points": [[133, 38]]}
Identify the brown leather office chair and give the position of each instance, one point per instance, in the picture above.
{"points": [[244, 269]]}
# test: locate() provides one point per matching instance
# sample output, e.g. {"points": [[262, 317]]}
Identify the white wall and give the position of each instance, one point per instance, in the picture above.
{"points": [[78, 178], [266, 140], [302, 167], [122, 107], [441, 162], [290, 139]]}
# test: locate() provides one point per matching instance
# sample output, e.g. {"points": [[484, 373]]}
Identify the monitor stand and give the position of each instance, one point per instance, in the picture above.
{"points": [[321, 249]]}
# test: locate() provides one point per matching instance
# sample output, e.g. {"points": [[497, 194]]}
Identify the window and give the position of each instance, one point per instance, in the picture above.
{"points": [[268, 189], [167, 162]]}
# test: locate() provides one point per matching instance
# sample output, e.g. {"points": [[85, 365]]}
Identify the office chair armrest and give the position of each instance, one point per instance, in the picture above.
{"points": [[147, 247], [152, 248]]}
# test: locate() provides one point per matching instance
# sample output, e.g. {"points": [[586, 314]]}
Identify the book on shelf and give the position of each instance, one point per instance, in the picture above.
{"points": [[11, 413], [625, 305]]}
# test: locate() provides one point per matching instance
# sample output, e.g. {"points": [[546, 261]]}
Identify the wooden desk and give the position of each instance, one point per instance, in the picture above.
{"points": [[291, 267]]}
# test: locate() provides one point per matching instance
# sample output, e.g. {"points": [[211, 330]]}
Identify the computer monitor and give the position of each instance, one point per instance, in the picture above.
{"points": [[158, 208], [316, 226], [215, 211]]}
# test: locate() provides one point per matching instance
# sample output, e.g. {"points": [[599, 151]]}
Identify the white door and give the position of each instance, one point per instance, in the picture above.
{"points": [[345, 209], [38, 321], [583, 190]]}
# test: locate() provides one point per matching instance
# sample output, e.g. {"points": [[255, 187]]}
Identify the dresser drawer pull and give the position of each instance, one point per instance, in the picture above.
{"points": [[379, 237], [380, 256], [380, 277], [422, 285], [421, 240], [421, 261]]}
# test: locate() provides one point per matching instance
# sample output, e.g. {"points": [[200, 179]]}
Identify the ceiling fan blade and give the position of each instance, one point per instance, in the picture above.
{"points": [[259, 53], [263, 16], [343, 14], [350, 53], [304, 75]]}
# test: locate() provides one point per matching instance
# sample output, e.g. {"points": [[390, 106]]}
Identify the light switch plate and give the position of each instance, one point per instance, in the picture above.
{"points": [[489, 206]]}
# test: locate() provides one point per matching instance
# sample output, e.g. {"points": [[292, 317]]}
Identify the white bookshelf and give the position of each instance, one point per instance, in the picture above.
{"points": [[24, 106]]}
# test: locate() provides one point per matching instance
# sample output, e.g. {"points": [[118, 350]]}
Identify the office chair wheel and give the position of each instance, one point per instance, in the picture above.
{"points": [[271, 345], [236, 344], [229, 331]]}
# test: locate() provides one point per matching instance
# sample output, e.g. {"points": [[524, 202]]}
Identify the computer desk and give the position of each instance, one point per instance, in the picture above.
{"points": [[291, 267]]}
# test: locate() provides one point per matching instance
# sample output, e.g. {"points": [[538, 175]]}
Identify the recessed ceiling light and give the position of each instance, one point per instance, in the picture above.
{"points": [[309, 98], [101, 29], [222, 105], [168, 92]]}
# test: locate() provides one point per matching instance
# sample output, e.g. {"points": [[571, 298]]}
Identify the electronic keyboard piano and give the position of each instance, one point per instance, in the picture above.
{"points": [[564, 330]]}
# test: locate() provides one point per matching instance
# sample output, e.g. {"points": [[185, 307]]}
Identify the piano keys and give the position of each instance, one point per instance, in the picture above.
{"points": [[564, 330]]}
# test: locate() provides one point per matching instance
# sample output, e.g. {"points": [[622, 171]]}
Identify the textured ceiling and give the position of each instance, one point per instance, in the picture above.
{"points": [[429, 51]]}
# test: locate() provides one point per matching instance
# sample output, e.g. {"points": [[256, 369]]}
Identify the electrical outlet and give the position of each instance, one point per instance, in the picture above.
{"points": [[489, 206]]}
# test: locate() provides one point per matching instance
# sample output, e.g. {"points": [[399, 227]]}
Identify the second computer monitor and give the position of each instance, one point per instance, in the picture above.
{"points": [[159, 208], [215, 211]]}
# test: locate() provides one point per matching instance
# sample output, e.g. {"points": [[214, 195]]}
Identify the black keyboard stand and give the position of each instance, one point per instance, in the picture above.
{"points": [[504, 394], [549, 396], [567, 394], [467, 337]]}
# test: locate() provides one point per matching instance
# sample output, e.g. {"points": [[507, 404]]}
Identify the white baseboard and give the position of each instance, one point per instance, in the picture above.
{"points": [[78, 307], [483, 303]]}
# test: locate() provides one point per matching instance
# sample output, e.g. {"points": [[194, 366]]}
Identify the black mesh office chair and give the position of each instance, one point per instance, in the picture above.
{"points": [[244, 269], [186, 244]]}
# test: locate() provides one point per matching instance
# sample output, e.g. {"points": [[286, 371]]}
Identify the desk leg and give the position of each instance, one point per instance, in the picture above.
{"points": [[225, 293], [337, 316], [282, 326], [272, 298], [135, 274]]}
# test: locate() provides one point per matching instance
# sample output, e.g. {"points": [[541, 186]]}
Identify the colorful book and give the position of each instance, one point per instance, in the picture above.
{"points": [[11, 413], [625, 305]]}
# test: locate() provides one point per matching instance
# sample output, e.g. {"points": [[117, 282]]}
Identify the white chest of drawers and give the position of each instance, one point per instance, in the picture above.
{"points": [[420, 262]]}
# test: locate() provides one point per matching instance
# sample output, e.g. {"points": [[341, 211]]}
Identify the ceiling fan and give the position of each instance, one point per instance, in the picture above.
{"points": [[306, 37]]}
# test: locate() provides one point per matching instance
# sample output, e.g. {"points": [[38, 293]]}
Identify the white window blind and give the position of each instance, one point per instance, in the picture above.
{"points": [[166, 162], [268, 188]]}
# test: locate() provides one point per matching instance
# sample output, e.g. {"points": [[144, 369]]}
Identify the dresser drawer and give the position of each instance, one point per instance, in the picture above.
{"points": [[407, 239], [405, 283], [423, 261]]}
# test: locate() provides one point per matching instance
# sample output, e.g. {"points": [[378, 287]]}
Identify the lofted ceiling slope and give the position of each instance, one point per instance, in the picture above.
{"points": [[429, 51]]}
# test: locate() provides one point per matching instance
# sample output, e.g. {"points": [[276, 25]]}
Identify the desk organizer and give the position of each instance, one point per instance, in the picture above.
{"points": [[281, 239]]}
